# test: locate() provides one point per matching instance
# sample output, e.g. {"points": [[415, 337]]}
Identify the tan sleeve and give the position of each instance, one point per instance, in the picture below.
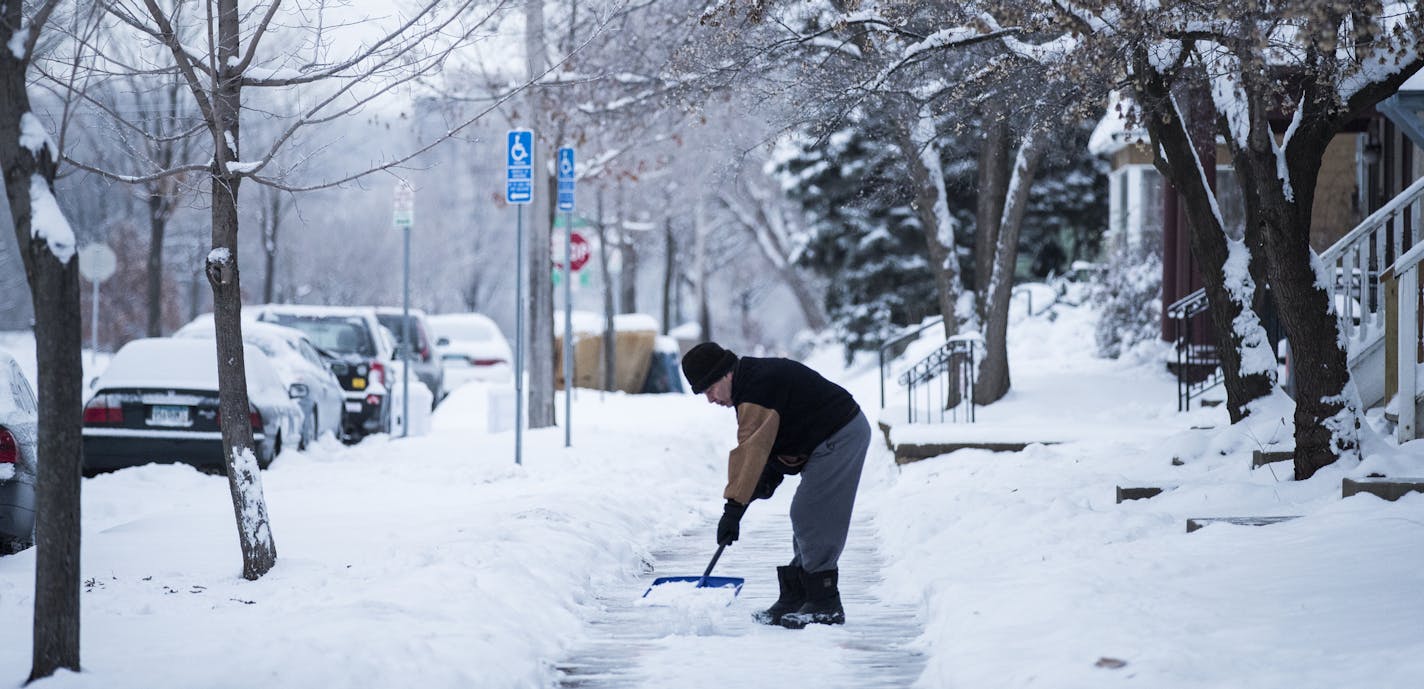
{"points": [[756, 433]]}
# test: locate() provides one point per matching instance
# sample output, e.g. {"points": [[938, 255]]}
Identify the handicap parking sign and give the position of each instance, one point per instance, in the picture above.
{"points": [[566, 180], [519, 171]]}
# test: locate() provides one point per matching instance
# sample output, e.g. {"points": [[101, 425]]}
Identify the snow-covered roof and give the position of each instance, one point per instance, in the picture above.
{"points": [[1114, 132]]}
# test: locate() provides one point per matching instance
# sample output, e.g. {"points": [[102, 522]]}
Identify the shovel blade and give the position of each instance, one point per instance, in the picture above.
{"points": [[734, 583]]}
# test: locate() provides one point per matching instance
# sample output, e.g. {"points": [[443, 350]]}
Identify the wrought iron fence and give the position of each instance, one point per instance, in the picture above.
{"points": [[942, 383]]}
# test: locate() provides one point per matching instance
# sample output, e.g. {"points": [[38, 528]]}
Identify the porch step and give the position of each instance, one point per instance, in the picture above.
{"points": [[1199, 522], [1139, 492], [1385, 488]]}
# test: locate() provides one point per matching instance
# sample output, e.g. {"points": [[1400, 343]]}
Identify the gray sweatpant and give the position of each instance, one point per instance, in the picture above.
{"points": [[821, 508]]}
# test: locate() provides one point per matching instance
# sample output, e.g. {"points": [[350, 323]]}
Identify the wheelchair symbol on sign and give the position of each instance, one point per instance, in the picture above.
{"points": [[517, 151]]}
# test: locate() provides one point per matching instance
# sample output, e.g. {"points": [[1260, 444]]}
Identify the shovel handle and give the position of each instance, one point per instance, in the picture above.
{"points": [[712, 564]]}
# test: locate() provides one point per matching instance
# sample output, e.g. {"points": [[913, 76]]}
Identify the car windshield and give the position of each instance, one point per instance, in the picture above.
{"points": [[474, 330], [343, 334], [393, 321]]}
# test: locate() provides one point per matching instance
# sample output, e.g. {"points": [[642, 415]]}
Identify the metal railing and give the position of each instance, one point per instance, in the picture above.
{"points": [[1352, 268], [1198, 367], [900, 341], [946, 379]]}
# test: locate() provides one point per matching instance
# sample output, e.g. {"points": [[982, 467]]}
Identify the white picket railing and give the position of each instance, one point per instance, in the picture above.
{"points": [[1406, 270], [1354, 264]]}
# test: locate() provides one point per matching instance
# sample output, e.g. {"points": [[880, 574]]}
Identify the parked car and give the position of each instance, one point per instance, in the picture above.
{"points": [[303, 367], [157, 402], [474, 349], [363, 364], [19, 457], [424, 357]]}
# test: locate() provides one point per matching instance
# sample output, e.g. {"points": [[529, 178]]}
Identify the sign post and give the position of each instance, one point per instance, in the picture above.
{"points": [[404, 218], [519, 192], [566, 206], [97, 263]]}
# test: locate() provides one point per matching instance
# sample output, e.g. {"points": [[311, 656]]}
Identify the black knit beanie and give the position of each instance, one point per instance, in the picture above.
{"points": [[705, 364]]}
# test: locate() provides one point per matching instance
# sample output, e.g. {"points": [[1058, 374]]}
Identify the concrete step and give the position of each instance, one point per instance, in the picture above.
{"points": [[1198, 522], [1139, 492], [1386, 488], [1261, 458]]}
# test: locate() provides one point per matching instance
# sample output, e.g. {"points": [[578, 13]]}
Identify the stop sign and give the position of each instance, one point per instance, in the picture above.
{"points": [[579, 251]]}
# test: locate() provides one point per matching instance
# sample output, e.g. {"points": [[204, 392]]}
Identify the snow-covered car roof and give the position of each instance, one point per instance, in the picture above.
{"points": [[187, 363], [314, 310], [464, 326], [396, 311], [278, 342]]}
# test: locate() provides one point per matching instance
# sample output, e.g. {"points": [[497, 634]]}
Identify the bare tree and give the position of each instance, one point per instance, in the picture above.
{"points": [[233, 58], [47, 245], [763, 214]]}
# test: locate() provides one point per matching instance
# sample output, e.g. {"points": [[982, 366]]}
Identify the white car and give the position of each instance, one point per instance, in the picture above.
{"points": [[302, 366], [474, 349], [158, 402]]}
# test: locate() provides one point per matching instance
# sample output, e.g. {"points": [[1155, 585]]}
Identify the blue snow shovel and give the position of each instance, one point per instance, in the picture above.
{"points": [[706, 580]]}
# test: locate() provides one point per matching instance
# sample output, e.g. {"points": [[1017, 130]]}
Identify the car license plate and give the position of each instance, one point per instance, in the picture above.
{"points": [[169, 415], [353, 406]]}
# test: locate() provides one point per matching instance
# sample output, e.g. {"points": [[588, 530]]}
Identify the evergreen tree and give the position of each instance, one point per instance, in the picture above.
{"points": [[863, 236]]}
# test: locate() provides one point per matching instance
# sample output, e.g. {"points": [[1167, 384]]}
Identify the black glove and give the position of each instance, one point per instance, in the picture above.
{"points": [[766, 487], [729, 528]]}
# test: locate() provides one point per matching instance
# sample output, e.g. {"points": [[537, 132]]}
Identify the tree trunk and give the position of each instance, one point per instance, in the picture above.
{"points": [[669, 272], [1240, 339], [1282, 193], [158, 214], [259, 553], [699, 267], [992, 381], [271, 224], [917, 144], [1326, 408], [540, 362], [989, 207], [53, 275], [627, 274], [609, 341], [809, 302]]}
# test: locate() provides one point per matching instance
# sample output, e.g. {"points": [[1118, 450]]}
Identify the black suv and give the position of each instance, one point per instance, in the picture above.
{"points": [[363, 362]]}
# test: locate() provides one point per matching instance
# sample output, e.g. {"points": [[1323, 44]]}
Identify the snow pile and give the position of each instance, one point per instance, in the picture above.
{"points": [[1027, 567], [687, 609]]}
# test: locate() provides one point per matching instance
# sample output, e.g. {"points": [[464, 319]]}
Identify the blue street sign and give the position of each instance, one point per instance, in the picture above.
{"points": [[566, 180], [519, 175]]}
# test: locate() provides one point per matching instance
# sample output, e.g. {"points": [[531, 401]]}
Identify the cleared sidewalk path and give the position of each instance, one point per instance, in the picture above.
{"points": [[633, 645]]}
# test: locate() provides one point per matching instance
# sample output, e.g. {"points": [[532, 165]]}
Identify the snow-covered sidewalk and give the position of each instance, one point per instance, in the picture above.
{"points": [[702, 641], [431, 562]]}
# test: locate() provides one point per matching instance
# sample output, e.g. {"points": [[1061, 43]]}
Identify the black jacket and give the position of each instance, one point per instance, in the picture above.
{"points": [[784, 411]]}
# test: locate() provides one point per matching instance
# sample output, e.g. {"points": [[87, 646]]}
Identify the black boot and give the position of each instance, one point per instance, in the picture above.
{"points": [[793, 594], [823, 602]]}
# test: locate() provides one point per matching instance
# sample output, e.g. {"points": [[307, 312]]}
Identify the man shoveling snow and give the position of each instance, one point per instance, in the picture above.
{"points": [[790, 420]]}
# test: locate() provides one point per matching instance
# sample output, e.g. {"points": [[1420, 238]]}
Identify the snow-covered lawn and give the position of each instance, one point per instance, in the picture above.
{"points": [[435, 561]]}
